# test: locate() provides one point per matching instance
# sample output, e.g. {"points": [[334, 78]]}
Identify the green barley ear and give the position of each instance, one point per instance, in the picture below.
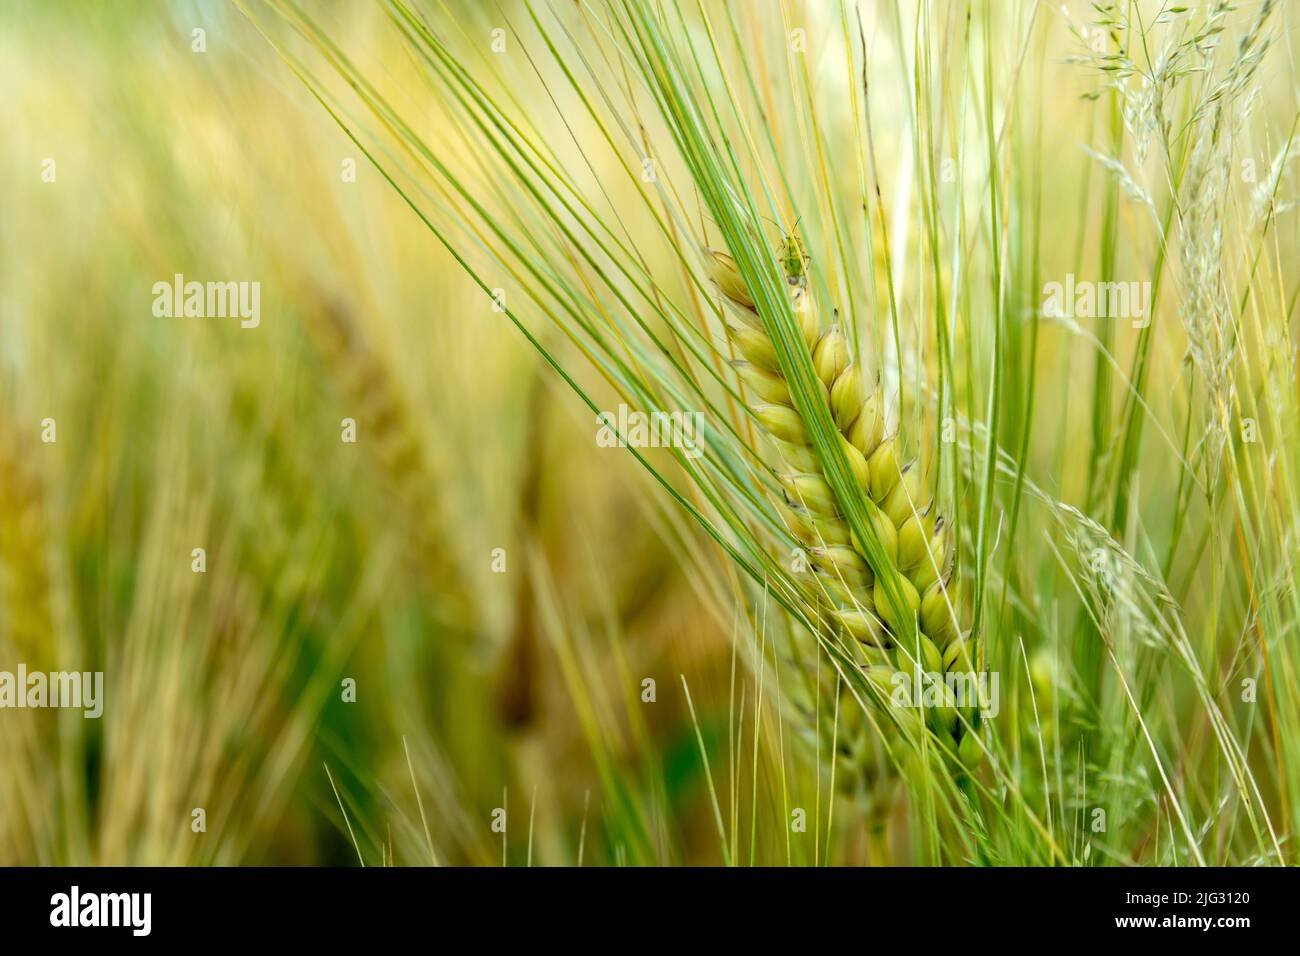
{"points": [[920, 624]]}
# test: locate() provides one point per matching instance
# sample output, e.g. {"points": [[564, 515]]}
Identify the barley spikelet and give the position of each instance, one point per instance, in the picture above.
{"points": [[902, 512]]}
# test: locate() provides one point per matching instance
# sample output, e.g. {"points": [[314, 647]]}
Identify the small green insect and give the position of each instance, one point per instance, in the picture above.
{"points": [[794, 259]]}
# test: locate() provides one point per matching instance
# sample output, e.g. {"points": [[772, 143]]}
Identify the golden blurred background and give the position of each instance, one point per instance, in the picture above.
{"points": [[325, 560]]}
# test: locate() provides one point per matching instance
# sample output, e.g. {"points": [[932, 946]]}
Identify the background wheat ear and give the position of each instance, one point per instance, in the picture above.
{"points": [[914, 545], [25, 619]]}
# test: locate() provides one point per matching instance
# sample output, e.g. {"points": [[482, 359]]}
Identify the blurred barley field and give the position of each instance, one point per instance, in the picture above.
{"points": [[435, 621]]}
